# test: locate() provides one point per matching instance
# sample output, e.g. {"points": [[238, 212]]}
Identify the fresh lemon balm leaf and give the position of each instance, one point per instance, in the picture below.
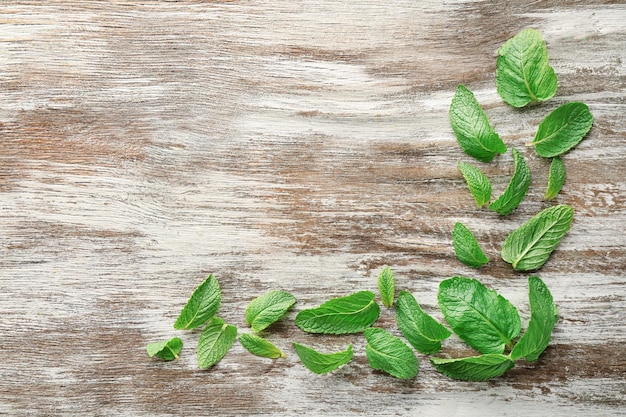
{"points": [[481, 317], [386, 286], [556, 178], [167, 350], [351, 314], [562, 129], [466, 247], [422, 331], [201, 306], [215, 341], [260, 347], [529, 246], [389, 354], [322, 363], [517, 188], [474, 368], [523, 74], [268, 308], [478, 183], [543, 317], [471, 127]]}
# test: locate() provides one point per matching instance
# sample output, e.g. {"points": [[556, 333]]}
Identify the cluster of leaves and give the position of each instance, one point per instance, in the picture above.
{"points": [[523, 77]]}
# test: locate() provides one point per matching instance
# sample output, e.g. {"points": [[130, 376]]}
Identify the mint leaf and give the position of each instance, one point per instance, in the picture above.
{"points": [[466, 247], [422, 331], [167, 350], [260, 347], [215, 341], [474, 368], [529, 246], [351, 314], [523, 74], [562, 129], [543, 317], [483, 319], [386, 286], [471, 127], [201, 306], [517, 188], [268, 308], [479, 185], [388, 353], [556, 178], [322, 363]]}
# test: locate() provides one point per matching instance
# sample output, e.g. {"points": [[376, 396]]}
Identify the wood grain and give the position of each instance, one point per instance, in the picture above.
{"points": [[296, 145]]}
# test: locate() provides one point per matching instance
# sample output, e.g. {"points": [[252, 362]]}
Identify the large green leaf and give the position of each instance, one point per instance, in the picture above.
{"points": [[529, 246], [477, 182], [268, 308], [562, 129], [517, 188], [474, 368], [466, 247], [523, 74], [215, 341], [471, 127], [543, 317], [322, 363], [422, 331], [481, 317], [201, 306], [351, 314], [389, 354]]}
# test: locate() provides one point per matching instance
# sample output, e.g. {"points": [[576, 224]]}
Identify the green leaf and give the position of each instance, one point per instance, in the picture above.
{"points": [[351, 314], [556, 178], [215, 341], [471, 127], [543, 317], [260, 347], [388, 353], [268, 308], [483, 319], [322, 363], [201, 306], [466, 247], [422, 331], [517, 188], [562, 129], [523, 74], [167, 350], [474, 368], [386, 286], [529, 246], [479, 185]]}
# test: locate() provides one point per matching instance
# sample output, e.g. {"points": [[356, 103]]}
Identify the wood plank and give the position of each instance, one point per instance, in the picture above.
{"points": [[287, 145]]}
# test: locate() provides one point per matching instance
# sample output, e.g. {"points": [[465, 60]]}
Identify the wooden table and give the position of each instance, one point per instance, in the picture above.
{"points": [[288, 145]]}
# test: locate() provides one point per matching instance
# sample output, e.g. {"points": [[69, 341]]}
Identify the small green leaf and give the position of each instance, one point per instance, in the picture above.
{"points": [[543, 317], [466, 247], [268, 308], [479, 185], [556, 178], [517, 188], [481, 317], [529, 246], [260, 347], [523, 74], [386, 286], [322, 363], [201, 306], [562, 129], [167, 350], [474, 368], [422, 331], [215, 341], [351, 314], [388, 353], [471, 127]]}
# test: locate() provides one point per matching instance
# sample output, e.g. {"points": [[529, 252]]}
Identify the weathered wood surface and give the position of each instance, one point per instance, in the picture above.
{"points": [[295, 145]]}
